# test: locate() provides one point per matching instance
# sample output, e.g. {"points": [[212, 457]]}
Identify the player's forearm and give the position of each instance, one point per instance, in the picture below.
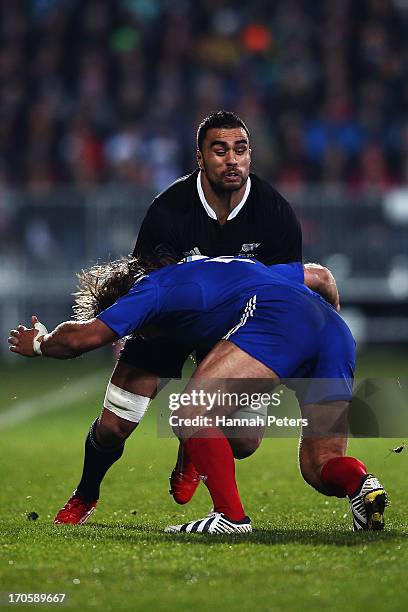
{"points": [[321, 280], [65, 341], [68, 340], [72, 338]]}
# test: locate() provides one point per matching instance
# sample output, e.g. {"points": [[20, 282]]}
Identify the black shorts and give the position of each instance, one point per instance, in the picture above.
{"points": [[162, 357]]}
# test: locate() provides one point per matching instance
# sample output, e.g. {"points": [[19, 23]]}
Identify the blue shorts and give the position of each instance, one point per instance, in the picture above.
{"points": [[299, 335]]}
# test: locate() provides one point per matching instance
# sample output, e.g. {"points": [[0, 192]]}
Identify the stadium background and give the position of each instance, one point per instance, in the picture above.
{"points": [[99, 102]]}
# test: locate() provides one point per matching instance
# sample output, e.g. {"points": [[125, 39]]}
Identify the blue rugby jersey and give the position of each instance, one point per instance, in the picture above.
{"points": [[198, 302]]}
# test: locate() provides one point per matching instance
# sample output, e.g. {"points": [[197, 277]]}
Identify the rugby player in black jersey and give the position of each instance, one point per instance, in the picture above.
{"points": [[219, 209]]}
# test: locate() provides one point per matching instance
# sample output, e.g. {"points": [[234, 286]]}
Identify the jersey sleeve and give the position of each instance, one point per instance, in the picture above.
{"points": [[291, 271], [134, 310]]}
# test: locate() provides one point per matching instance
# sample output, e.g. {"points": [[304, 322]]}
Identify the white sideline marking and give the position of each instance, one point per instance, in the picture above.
{"points": [[54, 400]]}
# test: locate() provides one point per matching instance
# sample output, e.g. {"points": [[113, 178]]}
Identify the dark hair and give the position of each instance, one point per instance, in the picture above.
{"points": [[219, 119], [101, 285]]}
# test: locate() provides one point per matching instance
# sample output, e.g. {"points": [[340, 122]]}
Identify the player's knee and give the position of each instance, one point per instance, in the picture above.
{"points": [[129, 408], [244, 447], [122, 412]]}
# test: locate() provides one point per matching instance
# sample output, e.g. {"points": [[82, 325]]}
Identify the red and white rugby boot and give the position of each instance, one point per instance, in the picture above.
{"points": [[184, 479], [76, 511]]}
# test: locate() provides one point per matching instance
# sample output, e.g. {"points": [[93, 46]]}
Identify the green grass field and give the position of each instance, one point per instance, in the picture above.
{"points": [[301, 555]]}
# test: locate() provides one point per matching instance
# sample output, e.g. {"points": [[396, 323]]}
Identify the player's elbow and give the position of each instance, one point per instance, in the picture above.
{"points": [[317, 276], [325, 277], [324, 283]]}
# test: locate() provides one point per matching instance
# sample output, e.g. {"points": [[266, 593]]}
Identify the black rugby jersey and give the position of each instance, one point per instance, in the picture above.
{"points": [[265, 227]]}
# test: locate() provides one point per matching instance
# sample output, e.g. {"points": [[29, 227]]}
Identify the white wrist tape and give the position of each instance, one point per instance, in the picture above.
{"points": [[125, 404], [42, 330]]}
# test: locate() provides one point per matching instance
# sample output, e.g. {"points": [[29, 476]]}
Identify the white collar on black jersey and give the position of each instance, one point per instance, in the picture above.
{"points": [[210, 212]]}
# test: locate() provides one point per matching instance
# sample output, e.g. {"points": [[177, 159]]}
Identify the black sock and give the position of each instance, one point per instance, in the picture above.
{"points": [[97, 461]]}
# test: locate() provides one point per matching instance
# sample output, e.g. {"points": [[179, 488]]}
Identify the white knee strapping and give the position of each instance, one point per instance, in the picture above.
{"points": [[124, 404]]}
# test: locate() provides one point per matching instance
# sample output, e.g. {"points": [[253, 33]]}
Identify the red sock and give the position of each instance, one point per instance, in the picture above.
{"points": [[184, 464], [213, 459], [342, 475]]}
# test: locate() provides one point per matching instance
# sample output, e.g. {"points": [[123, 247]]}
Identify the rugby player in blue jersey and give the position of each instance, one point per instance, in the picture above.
{"points": [[263, 322]]}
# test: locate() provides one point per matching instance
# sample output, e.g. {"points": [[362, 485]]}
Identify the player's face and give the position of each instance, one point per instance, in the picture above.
{"points": [[225, 158]]}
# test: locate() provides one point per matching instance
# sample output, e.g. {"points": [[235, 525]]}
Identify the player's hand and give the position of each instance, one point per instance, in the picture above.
{"points": [[21, 340]]}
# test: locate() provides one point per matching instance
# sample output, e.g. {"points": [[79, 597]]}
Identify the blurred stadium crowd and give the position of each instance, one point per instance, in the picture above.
{"points": [[100, 100], [112, 90]]}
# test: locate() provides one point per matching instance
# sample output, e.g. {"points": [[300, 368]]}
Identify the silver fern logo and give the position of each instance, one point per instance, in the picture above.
{"points": [[249, 247]]}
